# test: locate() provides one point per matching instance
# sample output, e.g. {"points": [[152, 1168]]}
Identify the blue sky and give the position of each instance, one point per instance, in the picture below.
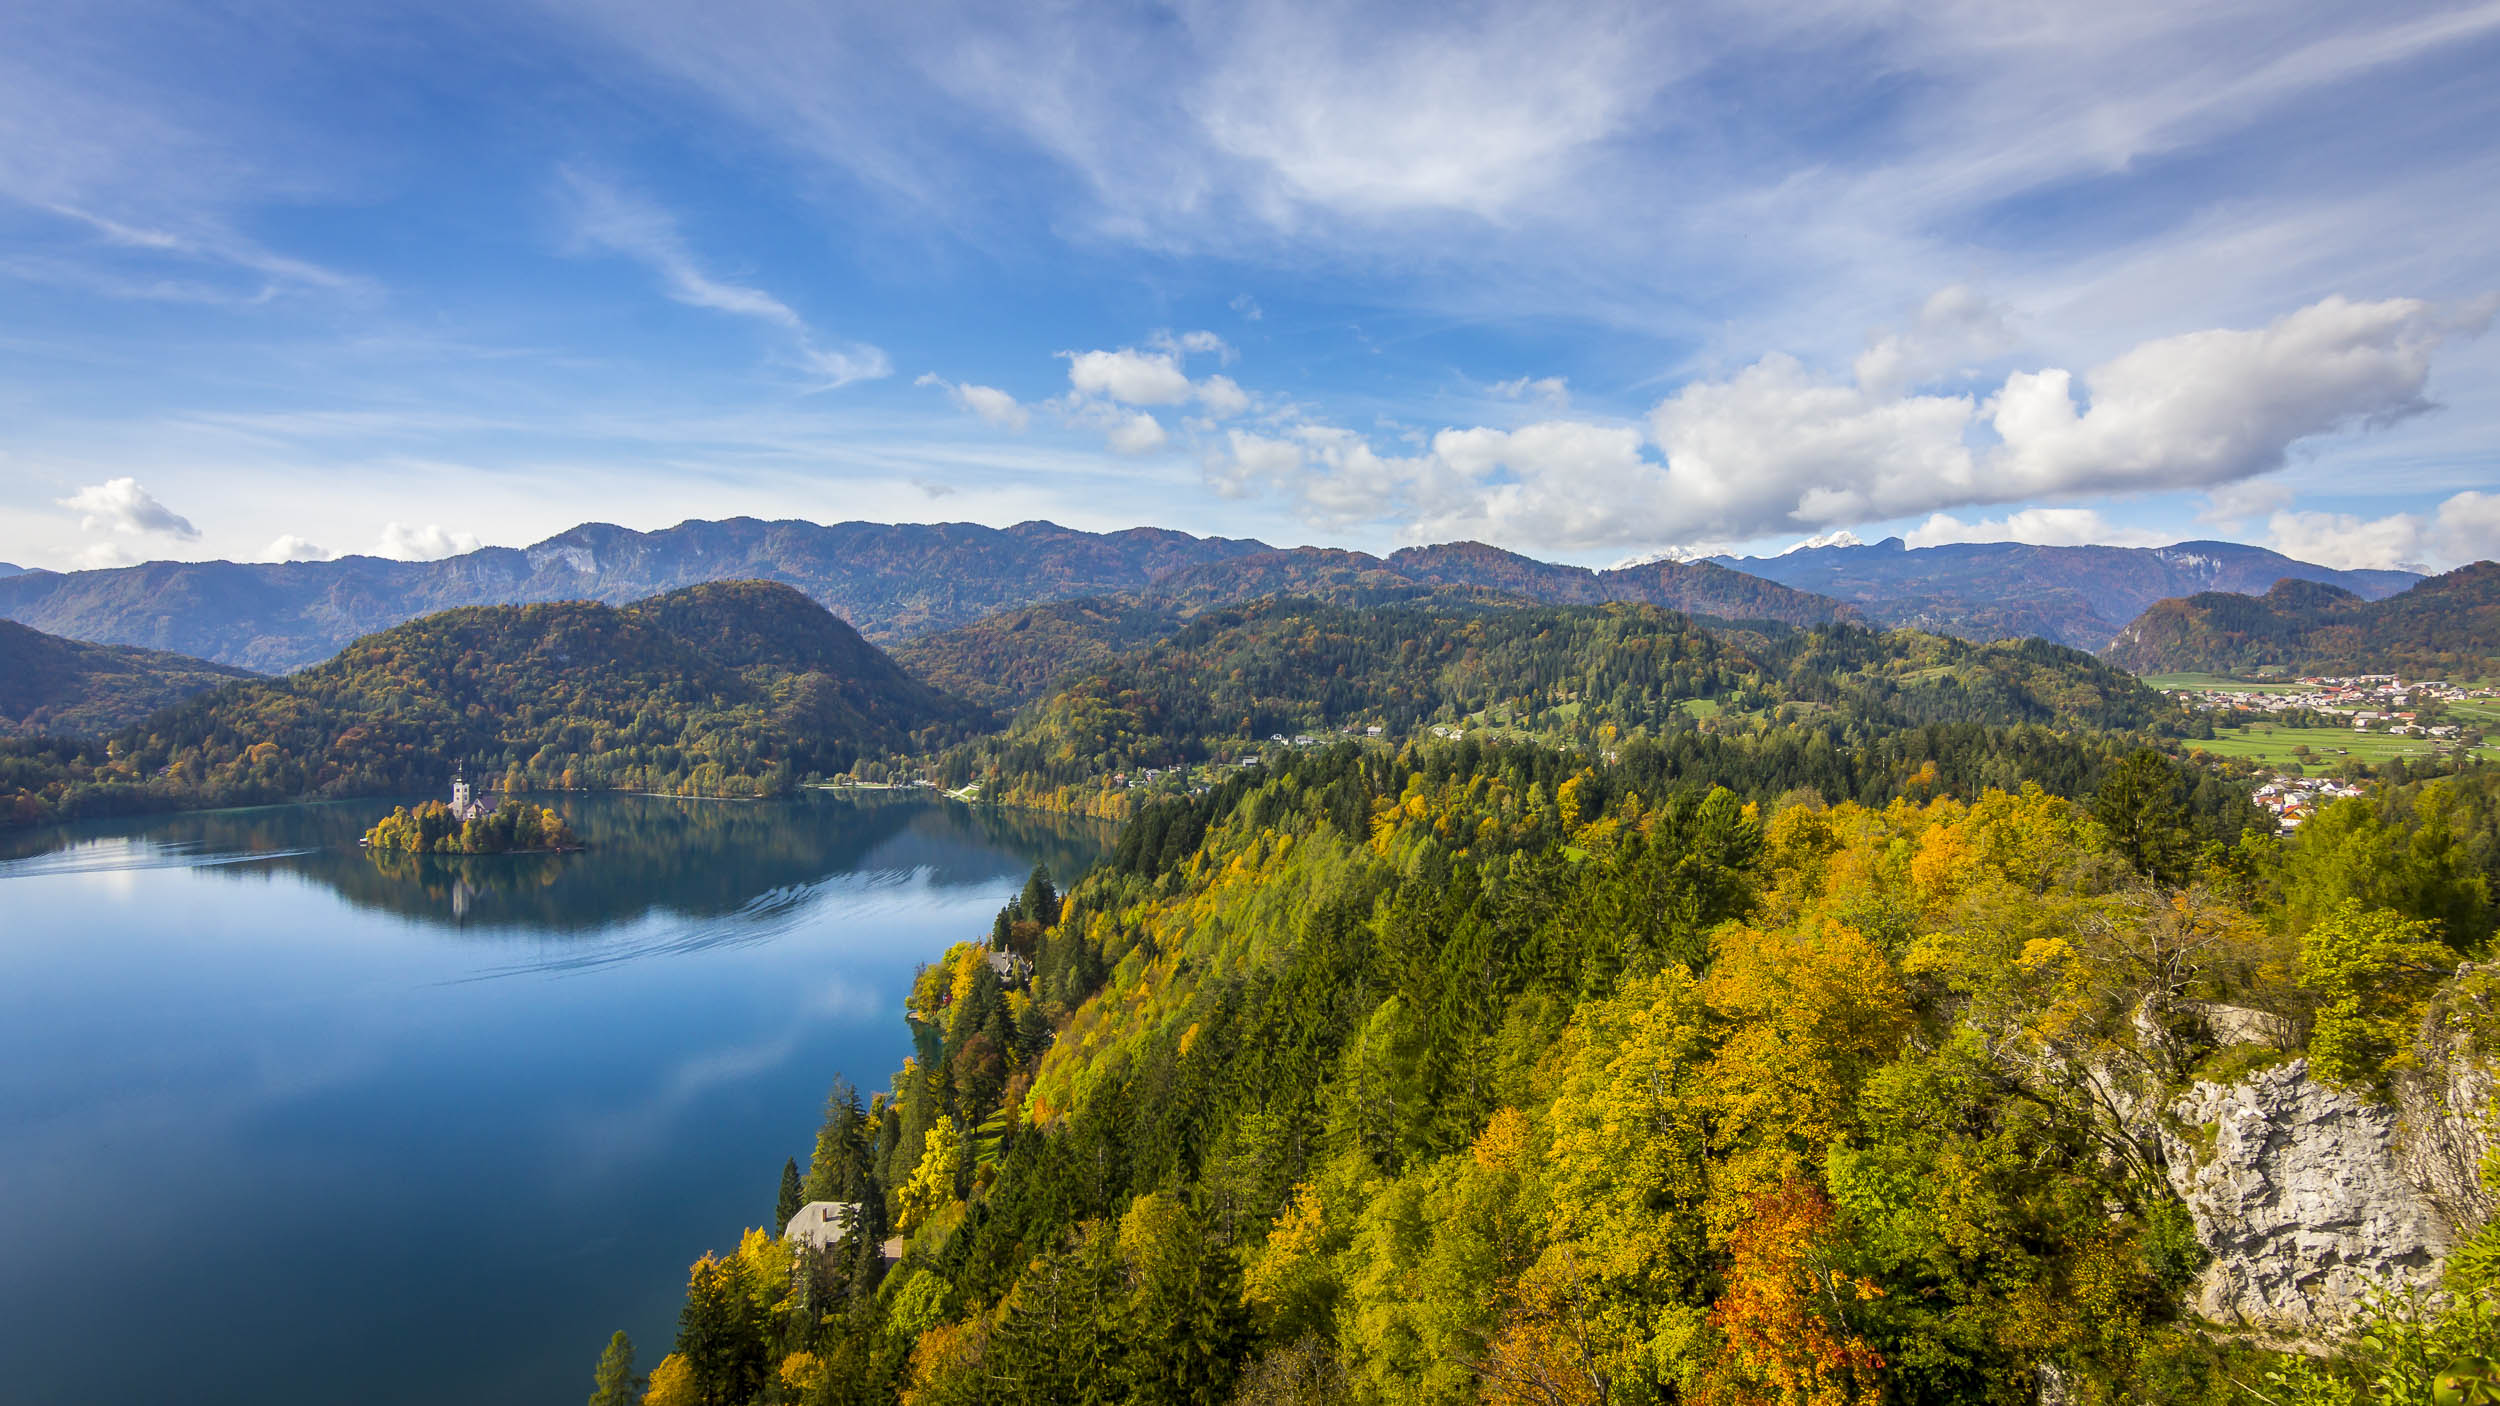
{"points": [[1587, 281]]}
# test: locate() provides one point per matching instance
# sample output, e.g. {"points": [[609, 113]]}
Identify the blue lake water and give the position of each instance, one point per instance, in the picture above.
{"points": [[281, 1123]]}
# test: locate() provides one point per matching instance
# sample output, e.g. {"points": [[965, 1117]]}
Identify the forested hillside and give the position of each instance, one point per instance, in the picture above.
{"points": [[1598, 675], [1014, 657], [734, 688], [49, 684], [1505, 1075], [2446, 627]]}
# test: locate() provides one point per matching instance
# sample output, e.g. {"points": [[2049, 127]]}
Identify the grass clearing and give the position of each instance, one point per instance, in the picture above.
{"points": [[2329, 747]]}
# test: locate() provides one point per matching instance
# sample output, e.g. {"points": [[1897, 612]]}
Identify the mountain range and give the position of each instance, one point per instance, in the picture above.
{"points": [[55, 685], [2447, 626], [2079, 596], [901, 582]]}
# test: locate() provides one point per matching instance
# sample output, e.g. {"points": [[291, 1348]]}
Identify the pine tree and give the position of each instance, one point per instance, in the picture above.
{"points": [[790, 1201], [1040, 903]]}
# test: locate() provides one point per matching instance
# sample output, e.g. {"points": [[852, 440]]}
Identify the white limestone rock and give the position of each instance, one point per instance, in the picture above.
{"points": [[2300, 1190]]}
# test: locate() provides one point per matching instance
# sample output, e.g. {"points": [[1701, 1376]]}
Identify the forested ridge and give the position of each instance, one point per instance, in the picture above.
{"points": [[732, 688], [54, 685], [1498, 1073], [1597, 676], [2445, 627]]}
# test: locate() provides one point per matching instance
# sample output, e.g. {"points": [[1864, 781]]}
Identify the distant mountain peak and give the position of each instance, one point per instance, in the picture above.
{"points": [[1842, 538]]}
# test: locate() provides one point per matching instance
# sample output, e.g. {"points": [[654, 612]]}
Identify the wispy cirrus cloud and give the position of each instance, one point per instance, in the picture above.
{"points": [[604, 216]]}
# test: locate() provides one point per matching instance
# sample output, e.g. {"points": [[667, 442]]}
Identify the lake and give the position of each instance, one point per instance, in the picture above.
{"points": [[283, 1122]]}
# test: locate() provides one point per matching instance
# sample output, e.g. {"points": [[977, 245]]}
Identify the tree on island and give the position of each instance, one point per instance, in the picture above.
{"points": [[433, 828]]}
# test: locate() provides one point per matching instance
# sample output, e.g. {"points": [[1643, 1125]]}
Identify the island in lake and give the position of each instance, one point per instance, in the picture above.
{"points": [[466, 826]]}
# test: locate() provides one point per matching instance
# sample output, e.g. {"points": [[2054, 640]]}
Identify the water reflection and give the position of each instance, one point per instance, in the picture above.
{"points": [[754, 865], [405, 1171]]}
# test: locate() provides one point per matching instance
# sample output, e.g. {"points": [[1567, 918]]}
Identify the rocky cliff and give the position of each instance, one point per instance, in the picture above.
{"points": [[2306, 1197]]}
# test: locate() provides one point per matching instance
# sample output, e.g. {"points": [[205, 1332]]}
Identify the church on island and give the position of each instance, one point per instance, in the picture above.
{"points": [[465, 804]]}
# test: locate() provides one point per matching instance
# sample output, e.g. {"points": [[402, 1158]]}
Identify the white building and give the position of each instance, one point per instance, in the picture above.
{"points": [[821, 1225]]}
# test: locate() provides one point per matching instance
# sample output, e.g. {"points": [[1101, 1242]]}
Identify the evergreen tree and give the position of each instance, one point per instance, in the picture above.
{"points": [[720, 1334], [1040, 903], [2140, 804], [617, 1383], [791, 1198]]}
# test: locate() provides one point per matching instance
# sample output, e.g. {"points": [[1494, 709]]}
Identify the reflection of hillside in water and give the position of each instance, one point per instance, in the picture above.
{"points": [[698, 858]]}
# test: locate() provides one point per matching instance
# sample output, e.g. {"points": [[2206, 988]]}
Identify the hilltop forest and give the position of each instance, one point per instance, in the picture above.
{"points": [[2445, 627], [1495, 1073], [737, 688], [58, 686], [1596, 676]]}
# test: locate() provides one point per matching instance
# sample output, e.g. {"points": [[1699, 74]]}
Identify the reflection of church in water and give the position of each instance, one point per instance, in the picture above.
{"points": [[466, 805]]}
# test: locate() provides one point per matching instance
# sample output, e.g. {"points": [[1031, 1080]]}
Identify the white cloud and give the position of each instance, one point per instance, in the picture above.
{"points": [[1222, 398], [1188, 344], [1381, 111], [1552, 391], [293, 548], [993, 405], [427, 543], [2464, 528], [1129, 376], [608, 218], [2231, 504], [1773, 449], [2041, 527], [2215, 407], [1955, 327], [121, 505], [102, 556], [1138, 433], [1247, 307]]}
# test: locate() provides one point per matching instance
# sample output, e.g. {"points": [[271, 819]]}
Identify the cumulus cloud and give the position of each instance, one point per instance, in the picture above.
{"points": [[1955, 327], [427, 543], [1137, 433], [1248, 307], [993, 405], [1222, 398], [1104, 386], [605, 217], [2216, 407], [1776, 448], [293, 548], [1129, 376], [100, 556], [121, 505], [2464, 528], [2040, 527], [1551, 391]]}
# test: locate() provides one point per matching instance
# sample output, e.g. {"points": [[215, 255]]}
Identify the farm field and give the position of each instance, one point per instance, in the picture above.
{"points": [[2272, 743]]}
